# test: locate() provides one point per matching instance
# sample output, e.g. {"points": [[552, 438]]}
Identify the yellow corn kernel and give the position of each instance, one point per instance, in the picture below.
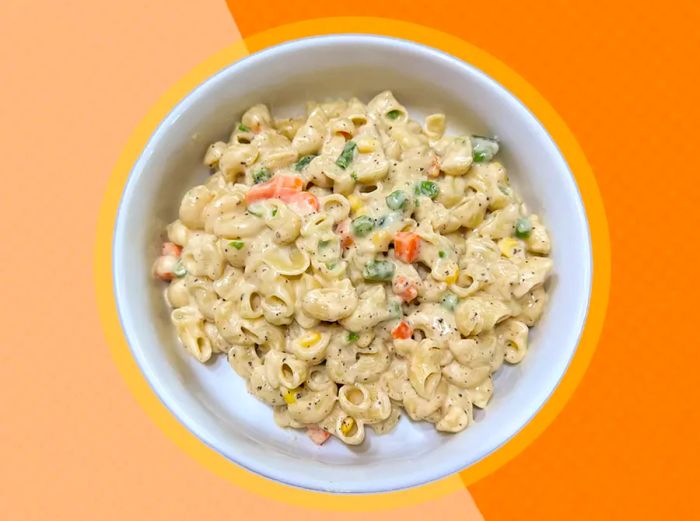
{"points": [[291, 396], [452, 277], [355, 202], [366, 145], [310, 338], [381, 239], [346, 425], [509, 246]]}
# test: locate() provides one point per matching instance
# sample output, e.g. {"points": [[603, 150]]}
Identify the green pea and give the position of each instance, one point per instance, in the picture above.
{"points": [[243, 128], [442, 254], [483, 148], [179, 270], [396, 200], [362, 225], [428, 188], [523, 228], [378, 270], [393, 114], [449, 301]]}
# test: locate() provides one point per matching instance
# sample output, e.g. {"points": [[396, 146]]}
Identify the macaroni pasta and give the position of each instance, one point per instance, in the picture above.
{"points": [[352, 263]]}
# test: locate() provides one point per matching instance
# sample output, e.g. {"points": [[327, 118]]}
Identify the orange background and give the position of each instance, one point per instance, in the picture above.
{"points": [[76, 79]]}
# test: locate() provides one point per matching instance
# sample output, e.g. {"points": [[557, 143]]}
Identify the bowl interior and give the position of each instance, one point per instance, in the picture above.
{"points": [[211, 399]]}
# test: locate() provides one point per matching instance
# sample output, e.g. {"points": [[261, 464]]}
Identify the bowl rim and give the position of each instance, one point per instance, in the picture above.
{"points": [[431, 473]]}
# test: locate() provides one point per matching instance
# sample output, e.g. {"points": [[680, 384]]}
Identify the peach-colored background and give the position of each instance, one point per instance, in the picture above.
{"points": [[76, 78]]}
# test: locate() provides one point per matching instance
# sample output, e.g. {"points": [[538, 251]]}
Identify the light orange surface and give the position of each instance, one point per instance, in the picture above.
{"points": [[624, 77], [74, 444]]}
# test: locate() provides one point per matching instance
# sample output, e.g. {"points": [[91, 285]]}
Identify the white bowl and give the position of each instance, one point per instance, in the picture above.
{"points": [[211, 400]]}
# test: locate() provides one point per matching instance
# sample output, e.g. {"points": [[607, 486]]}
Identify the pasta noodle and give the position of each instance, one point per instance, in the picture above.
{"points": [[352, 263]]}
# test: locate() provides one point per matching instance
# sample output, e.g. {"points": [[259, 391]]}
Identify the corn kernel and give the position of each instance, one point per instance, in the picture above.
{"points": [[347, 425], [381, 239], [366, 145], [310, 338], [355, 202], [509, 246], [452, 277], [290, 396]]}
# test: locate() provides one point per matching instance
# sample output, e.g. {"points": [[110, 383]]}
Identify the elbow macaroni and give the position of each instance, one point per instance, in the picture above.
{"points": [[331, 319]]}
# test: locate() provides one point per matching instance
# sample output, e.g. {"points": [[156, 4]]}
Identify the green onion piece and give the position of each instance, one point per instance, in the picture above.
{"points": [[378, 270], [396, 200], [353, 337], [346, 156], [236, 244], [442, 254], [362, 225], [262, 175], [393, 114], [299, 165], [331, 265], [523, 228], [449, 301], [483, 148], [243, 128], [353, 175], [274, 212], [323, 244], [427, 188]]}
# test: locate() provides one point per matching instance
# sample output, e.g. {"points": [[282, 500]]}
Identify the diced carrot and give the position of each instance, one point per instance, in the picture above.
{"points": [[170, 248], [346, 135], [405, 288], [434, 169], [406, 246], [302, 202], [275, 187], [317, 434], [402, 331], [343, 229]]}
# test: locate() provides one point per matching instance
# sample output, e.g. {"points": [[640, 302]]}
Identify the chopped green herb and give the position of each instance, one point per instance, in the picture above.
{"points": [[442, 254], [428, 188], [483, 148], [362, 225], [323, 244], [378, 270], [353, 337], [274, 212], [449, 301], [236, 244], [396, 200], [243, 128], [179, 270], [393, 114], [304, 161], [262, 175], [347, 155], [523, 228], [353, 175], [331, 265]]}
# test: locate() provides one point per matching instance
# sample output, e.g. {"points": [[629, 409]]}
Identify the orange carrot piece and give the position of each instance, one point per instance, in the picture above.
{"points": [[402, 331], [317, 434], [274, 188], [170, 248], [303, 202], [405, 288], [406, 246]]}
